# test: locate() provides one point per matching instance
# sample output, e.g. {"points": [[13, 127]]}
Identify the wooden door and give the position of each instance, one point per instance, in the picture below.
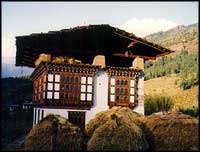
{"points": [[77, 118]]}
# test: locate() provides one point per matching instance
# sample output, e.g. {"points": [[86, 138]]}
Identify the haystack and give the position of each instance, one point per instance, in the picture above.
{"points": [[172, 132], [116, 129], [69, 137], [102, 117]]}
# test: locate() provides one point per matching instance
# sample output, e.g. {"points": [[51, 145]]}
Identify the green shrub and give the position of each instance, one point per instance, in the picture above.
{"points": [[193, 111], [189, 81], [157, 103]]}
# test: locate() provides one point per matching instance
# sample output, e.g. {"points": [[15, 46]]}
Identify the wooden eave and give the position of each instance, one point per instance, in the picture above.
{"points": [[64, 67], [84, 43]]}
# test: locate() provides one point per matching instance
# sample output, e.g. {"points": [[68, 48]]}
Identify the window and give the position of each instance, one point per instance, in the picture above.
{"points": [[89, 88], [43, 95], [112, 90], [72, 87], [112, 97], [83, 88], [86, 88], [56, 95], [112, 81], [50, 86], [50, 77], [57, 78], [89, 97], [132, 91], [132, 83], [119, 90], [89, 80], [132, 99], [83, 80], [49, 95], [53, 86], [57, 86], [82, 96]]}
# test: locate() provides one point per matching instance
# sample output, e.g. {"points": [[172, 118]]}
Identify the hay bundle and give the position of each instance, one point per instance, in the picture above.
{"points": [[69, 137], [102, 117], [172, 132], [115, 129]]}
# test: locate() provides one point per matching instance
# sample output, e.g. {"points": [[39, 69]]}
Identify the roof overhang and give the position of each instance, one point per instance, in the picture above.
{"points": [[84, 43]]}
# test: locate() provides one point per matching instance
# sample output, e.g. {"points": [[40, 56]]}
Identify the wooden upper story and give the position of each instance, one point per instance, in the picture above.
{"points": [[64, 85]]}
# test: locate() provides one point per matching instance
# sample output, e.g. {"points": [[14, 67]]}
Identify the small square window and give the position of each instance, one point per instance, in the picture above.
{"points": [[89, 97], [112, 81], [49, 95], [83, 80], [43, 95], [50, 77], [89, 80], [50, 86], [56, 95], [132, 83], [132, 99], [83, 88], [82, 96], [112, 97], [132, 91], [57, 78], [89, 88], [112, 89], [57, 86]]}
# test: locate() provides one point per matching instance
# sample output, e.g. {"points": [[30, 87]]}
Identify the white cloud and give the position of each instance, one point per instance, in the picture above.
{"points": [[145, 26], [8, 47]]}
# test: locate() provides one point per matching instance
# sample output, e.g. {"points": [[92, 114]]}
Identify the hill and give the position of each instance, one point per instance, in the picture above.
{"points": [[173, 38], [10, 70], [16, 90], [166, 86]]}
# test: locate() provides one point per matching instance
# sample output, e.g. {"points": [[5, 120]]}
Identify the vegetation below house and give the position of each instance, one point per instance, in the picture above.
{"points": [[166, 86], [156, 103]]}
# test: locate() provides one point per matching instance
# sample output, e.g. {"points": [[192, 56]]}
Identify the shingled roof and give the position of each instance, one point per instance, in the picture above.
{"points": [[84, 42]]}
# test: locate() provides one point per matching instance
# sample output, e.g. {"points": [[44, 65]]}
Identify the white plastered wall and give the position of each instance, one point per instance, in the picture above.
{"points": [[140, 107], [61, 112], [100, 101]]}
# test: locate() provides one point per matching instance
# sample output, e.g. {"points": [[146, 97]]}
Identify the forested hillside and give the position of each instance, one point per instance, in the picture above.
{"points": [[174, 38], [15, 90], [183, 64]]}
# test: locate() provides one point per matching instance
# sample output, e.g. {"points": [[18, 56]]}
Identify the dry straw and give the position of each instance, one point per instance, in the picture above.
{"points": [[172, 132], [116, 129], [69, 137]]}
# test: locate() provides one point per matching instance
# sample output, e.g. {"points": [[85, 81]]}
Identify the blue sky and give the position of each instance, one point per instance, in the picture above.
{"points": [[141, 18]]}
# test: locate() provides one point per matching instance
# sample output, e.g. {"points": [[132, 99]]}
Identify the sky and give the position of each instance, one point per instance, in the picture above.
{"points": [[140, 18]]}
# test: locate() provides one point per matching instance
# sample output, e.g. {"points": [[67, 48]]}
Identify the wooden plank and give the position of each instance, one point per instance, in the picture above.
{"points": [[133, 56], [150, 45], [131, 44]]}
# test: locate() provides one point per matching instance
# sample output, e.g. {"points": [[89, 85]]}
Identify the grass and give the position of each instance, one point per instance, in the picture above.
{"points": [[166, 86]]}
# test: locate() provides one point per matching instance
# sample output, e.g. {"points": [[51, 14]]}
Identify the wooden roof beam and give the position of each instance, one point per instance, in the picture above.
{"points": [[133, 39], [133, 56], [131, 44]]}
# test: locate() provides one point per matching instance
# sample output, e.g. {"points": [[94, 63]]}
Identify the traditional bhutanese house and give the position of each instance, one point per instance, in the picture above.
{"points": [[83, 70]]}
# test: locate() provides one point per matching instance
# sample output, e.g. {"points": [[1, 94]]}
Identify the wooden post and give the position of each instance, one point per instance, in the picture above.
{"points": [[54, 134]]}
